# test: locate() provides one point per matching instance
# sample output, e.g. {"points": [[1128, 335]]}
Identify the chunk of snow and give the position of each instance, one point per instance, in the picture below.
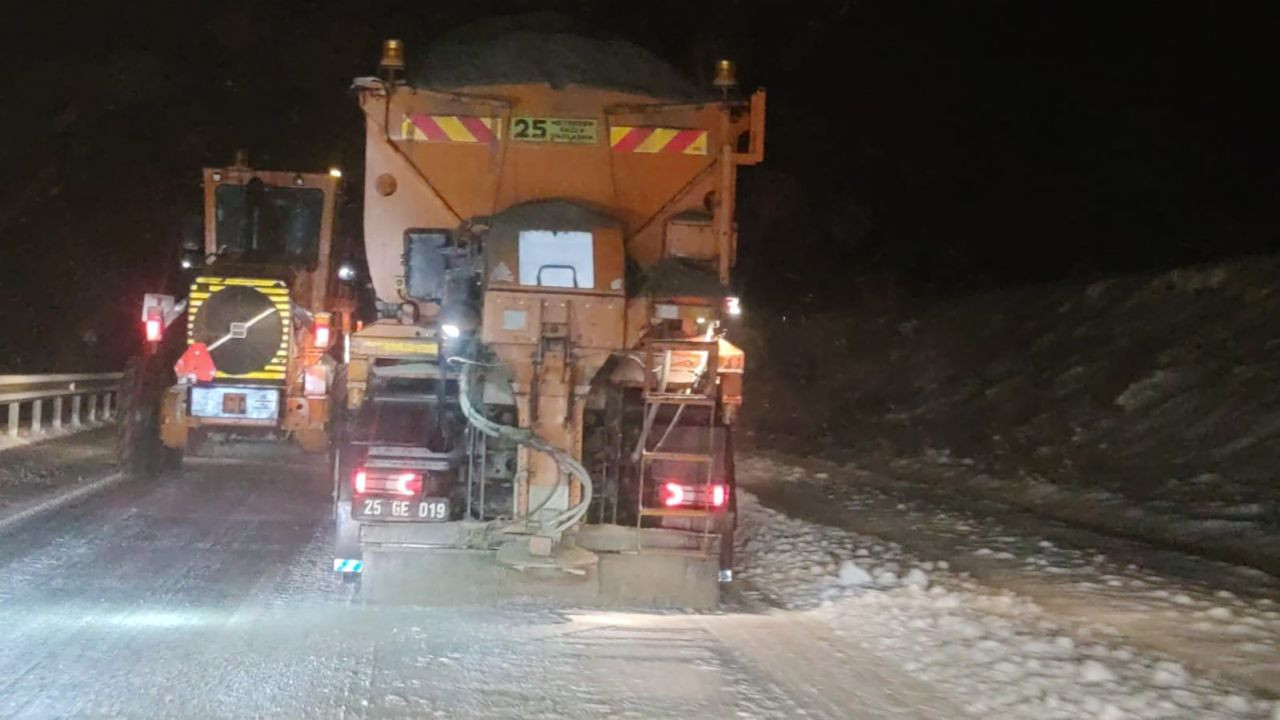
{"points": [[1092, 671], [916, 578], [852, 575], [1169, 675], [1109, 711], [886, 578]]}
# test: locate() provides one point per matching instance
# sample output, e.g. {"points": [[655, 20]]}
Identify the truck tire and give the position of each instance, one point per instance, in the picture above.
{"points": [[346, 531]]}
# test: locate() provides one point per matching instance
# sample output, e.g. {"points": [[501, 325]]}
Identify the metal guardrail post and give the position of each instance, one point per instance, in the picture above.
{"points": [[15, 390]]}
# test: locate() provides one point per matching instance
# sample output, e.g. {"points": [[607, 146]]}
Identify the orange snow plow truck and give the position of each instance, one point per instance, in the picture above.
{"points": [[544, 405]]}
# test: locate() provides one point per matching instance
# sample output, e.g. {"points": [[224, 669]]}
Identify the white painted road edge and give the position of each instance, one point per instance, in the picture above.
{"points": [[63, 498]]}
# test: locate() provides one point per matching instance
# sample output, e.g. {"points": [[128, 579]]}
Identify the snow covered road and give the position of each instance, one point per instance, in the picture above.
{"points": [[1019, 616], [208, 595]]}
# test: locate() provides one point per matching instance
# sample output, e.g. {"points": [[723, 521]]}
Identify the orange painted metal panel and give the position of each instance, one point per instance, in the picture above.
{"points": [[438, 159]]}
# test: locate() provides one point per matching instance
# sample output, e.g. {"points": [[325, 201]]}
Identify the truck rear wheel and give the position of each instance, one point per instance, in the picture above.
{"points": [[346, 530]]}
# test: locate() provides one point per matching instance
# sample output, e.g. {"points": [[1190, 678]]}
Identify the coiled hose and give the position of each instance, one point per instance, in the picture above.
{"points": [[565, 462]]}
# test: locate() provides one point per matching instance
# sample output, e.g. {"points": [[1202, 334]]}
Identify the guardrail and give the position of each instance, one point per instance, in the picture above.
{"points": [[98, 389]]}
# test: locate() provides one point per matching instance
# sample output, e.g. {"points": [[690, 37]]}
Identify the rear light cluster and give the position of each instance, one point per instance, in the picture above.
{"points": [[376, 482], [322, 330], [674, 494], [155, 324]]}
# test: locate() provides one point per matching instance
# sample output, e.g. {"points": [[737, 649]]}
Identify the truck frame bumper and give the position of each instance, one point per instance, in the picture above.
{"points": [[445, 564]]}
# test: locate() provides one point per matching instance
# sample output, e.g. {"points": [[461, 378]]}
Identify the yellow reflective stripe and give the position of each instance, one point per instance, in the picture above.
{"points": [[206, 290], [249, 282], [256, 375], [454, 128], [656, 141]]}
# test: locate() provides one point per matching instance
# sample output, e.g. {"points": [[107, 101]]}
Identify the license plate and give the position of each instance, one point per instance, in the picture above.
{"points": [[239, 403], [420, 510], [233, 404]]}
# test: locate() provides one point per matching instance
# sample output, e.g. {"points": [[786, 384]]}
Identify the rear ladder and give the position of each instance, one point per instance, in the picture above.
{"points": [[655, 397]]}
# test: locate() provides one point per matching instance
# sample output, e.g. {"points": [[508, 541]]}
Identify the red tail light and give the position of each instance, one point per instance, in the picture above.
{"points": [[408, 484], [672, 494], [322, 330], [154, 324], [386, 483], [719, 496]]}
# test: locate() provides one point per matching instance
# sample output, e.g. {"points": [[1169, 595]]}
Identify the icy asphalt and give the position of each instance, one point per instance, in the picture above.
{"points": [[209, 596]]}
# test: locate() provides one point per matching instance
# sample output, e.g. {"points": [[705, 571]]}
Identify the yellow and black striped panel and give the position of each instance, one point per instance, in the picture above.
{"points": [[277, 291]]}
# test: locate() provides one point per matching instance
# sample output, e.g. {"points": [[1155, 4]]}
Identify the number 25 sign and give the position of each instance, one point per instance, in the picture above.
{"points": [[580, 131]]}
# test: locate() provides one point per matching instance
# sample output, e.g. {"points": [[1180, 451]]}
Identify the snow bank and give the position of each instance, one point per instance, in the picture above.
{"points": [[1108, 405], [998, 654]]}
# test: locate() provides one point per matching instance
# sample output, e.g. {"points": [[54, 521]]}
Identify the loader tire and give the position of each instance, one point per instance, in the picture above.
{"points": [[136, 431], [169, 460], [133, 444], [139, 451]]}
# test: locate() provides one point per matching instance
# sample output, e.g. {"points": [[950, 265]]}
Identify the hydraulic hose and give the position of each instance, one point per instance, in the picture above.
{"points": [[565, 462]]}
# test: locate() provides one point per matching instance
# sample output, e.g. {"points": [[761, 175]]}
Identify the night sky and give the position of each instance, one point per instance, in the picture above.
{"points": [[935, 148]]}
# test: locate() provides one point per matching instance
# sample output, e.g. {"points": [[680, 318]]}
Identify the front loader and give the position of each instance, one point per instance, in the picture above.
{"points": [[250, 345]]}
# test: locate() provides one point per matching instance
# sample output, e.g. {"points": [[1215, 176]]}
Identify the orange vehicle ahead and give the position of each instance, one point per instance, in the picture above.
{"points": [[548, 383], [262, 310]]}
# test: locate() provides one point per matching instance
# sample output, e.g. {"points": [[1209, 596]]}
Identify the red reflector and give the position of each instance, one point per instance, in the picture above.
{"points": [[672, 494], [154, 330], [360, 480], [719, 495]]}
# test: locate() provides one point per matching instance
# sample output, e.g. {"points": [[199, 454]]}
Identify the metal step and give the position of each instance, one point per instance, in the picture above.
{"points": [[678, 399], [674, 512], [678, 456]]}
